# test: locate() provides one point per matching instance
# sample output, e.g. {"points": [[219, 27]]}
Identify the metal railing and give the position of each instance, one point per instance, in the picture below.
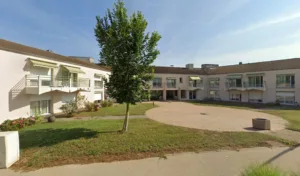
{"points": [[195, 85], [285, 85], [245, 85], [47, 81]]}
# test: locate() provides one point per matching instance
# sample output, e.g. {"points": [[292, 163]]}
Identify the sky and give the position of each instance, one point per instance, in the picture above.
{"points": [[223, 32]]}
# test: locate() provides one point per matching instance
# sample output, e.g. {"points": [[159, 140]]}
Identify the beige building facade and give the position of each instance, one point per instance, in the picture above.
{"points": [[38, 81], [263, 82]]}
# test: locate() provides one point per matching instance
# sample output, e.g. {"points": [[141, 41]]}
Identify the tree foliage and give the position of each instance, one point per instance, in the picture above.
{"points": [[128, 50]]}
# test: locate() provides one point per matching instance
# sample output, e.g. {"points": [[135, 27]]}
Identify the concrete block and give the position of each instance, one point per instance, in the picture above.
{"points": [[261, 124], [9, 148]]}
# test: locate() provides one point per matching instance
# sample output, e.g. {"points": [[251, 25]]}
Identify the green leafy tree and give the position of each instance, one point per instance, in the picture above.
{"points": [[129, 51]]}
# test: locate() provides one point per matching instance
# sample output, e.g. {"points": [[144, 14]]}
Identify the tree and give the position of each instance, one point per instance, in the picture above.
{"points": [[129, 51]]}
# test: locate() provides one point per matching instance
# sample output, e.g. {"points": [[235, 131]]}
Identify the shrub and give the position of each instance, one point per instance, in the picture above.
{"points": [[106, 103], [70, 108], [51, 119], [14, 125], [89, 106]]}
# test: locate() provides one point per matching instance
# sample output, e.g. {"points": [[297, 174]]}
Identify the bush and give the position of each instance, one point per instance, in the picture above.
{"points": [[106, 103], [70, 108], [51, 119], [14, 125], [89, 106]]}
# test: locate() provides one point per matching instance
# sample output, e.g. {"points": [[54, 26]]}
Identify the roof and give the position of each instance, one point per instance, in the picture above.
{"points": [[284, 64], [178, 70], [23, 49]]}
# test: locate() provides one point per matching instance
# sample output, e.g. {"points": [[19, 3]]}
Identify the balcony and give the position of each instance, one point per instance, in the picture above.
{"points": [[233, 86], [285, 86], [39, 84], [251, 86], [194, 86]]}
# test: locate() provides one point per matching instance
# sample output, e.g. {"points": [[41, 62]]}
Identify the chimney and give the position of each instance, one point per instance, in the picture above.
{"points": [[240, 63], [49, 50], [189, 66]]}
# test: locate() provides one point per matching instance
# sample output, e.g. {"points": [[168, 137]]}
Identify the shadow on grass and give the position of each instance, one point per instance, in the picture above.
{"points": [[245, 105], [51, 136]]}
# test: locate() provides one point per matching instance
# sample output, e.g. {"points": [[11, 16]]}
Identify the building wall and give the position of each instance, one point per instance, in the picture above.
{"points": [[268, 95], [15, 102]]}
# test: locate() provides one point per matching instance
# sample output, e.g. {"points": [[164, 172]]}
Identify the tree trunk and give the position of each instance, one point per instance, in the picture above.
{"points": [[125, 125]]}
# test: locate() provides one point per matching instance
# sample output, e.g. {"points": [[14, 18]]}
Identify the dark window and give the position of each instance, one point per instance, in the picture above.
{"points": [[180, 80]]}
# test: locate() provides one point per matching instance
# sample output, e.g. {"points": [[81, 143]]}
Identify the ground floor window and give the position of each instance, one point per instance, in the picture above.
{"points": [[192, 95], [285, 97], [235, 96], [183, 94], [40, 107], [214, 94]]}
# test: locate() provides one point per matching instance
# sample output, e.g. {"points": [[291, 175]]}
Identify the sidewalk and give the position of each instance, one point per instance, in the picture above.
{"points": [[222, 163]]}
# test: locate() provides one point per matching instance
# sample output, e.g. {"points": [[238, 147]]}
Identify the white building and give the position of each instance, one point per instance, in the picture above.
{"points": [[35, 80]]}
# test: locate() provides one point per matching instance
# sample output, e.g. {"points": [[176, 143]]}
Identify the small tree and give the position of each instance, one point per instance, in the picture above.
{"points": [[129, 51]]}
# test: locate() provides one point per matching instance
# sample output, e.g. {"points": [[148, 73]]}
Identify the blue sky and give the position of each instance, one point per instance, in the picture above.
{"points": [[193, 31]]}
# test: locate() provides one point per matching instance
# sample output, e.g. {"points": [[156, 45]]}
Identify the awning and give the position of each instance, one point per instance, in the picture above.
{"points": [[73, 69], [237, 76], [213, 79], [38, 63], [255, 74], [193, 78]]}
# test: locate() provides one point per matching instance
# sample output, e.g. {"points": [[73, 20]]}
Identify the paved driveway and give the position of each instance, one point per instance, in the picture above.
{"points": [[209, 117]]}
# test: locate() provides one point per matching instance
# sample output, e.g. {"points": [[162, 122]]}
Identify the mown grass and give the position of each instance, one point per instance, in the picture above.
{"points": [[80, 142], [119, 110], [289, 113]]}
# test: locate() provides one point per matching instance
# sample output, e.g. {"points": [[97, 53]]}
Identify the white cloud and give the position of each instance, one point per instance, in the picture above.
{"points": [[255, 55], [268, 22]]}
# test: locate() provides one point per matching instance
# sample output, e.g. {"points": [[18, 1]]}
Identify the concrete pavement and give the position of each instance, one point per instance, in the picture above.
{"points": [[221, 163], [209, 117]]}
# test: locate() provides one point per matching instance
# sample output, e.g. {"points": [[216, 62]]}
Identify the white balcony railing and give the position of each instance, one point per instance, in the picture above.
{"points": [[195, 85], [37, 84]]}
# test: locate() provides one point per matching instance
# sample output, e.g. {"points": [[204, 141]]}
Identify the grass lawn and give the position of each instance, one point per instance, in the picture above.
{"points": [[119, 110], [289, 113], [80, 142]]}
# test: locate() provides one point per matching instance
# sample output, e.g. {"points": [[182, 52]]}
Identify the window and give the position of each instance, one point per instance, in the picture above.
{"points": [[180, 80], [156, 82], [235, 96], [285, 81], [235, 82], [214, 94], [255, 81], [214, 83], [285, 97], [171, 83], [98, 84], [40, 107]]}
